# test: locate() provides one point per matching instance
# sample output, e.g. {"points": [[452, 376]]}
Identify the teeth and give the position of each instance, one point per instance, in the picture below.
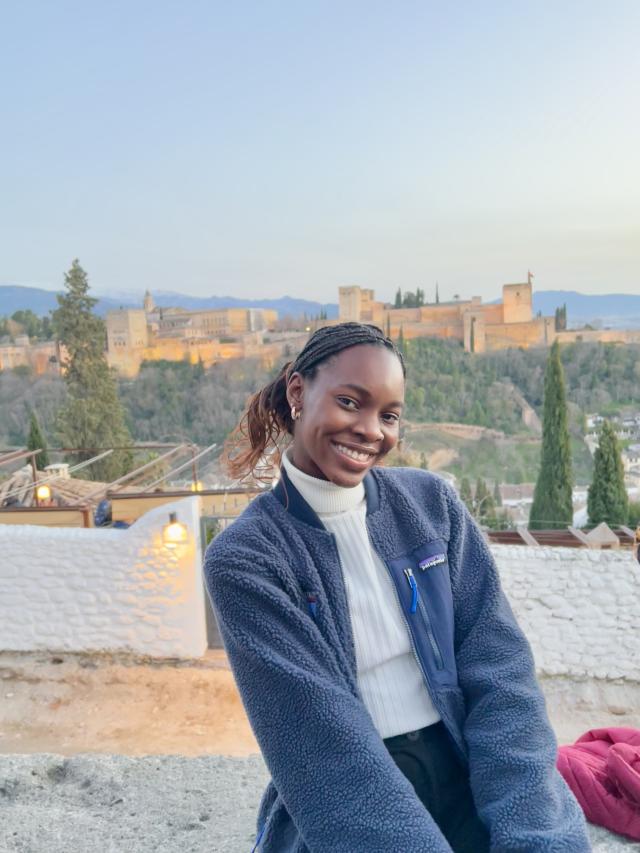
{"points": [[354, 454]]}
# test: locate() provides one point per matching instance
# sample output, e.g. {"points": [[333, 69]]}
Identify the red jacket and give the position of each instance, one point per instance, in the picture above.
{"points": [[602, 768]]}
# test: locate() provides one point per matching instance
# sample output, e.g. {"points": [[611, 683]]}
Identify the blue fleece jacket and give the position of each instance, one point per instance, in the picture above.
{"points": [[276, 584]]}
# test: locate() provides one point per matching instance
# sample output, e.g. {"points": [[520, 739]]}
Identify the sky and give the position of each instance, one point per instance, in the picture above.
{"points": [[282, 148]]}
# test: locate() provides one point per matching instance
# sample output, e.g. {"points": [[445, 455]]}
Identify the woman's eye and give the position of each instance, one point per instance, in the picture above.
{"points": [[347, 402]]}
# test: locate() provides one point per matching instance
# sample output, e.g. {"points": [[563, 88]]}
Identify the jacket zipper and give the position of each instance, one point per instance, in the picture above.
{"points": [[432, 693], [417, 604]]}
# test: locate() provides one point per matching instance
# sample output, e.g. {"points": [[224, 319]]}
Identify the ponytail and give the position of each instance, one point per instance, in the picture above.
{"points": [[266, 418]]}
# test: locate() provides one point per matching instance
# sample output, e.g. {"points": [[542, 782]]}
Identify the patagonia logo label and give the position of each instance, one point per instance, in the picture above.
{"points": [[431, 562]]}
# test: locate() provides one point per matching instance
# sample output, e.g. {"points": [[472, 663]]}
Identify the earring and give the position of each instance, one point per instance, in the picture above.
{"points": [[295, 413]]}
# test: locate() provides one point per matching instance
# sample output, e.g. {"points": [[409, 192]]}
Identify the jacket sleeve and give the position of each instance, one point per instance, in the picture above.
{"points": [[329, 765], [519, 794]]}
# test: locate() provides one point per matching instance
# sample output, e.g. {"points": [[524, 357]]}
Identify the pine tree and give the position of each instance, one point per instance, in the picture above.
{"points": [[398, 302], [552, 506], [465, 493], [93, 416], [37, 441], [607, 498]]}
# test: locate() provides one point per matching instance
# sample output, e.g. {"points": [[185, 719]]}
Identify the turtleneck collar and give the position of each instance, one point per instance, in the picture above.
{"points": [[324, 497]]}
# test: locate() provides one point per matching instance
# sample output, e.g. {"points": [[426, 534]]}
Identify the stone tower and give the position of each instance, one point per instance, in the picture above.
{"points": [[148, 302]]}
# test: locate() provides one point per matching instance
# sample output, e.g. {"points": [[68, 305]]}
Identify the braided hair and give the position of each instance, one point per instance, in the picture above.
{"points": [[267, 417]]}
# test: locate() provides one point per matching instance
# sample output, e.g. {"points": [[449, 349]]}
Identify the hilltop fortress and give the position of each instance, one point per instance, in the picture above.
{"points": [[481, 327], [509, 323]]}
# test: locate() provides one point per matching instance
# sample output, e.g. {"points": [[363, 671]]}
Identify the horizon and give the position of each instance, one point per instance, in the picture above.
{"points": [[292, 149], [114, 295]]}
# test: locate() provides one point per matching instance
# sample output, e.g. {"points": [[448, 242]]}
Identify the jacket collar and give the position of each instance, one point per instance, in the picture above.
{"points": [[293, 502]]}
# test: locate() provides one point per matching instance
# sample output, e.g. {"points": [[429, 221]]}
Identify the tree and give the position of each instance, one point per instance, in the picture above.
{"points": [[472, 336], [497, 497], [400, 342], [423, 461], [552, 506], [437, 294], [561, 318], [465, 493], [607, 497], [398, 302], [36, 441], [93, 416], [388, 325]]}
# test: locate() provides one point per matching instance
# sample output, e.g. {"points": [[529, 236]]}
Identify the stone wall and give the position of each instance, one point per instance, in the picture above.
{"points": [[579, 608], [71, 589]]}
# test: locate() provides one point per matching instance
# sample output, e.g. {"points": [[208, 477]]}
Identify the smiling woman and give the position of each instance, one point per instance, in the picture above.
{"points": [[390, 689]]}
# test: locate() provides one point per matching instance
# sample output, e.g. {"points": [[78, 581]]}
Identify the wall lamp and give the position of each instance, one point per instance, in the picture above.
{"points": [[175, 533]]}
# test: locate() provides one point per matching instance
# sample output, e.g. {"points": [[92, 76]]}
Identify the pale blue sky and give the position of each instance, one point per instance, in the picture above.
{"points": [[273, 148]]}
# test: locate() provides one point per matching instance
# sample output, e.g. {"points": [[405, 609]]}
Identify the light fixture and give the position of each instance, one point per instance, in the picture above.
{"points": [[43, 492], [174, 533], [196, 486]]}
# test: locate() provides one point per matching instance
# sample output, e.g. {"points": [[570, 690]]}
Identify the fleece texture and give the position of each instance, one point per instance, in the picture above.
{"points": [[602, 768], [275, 581]]}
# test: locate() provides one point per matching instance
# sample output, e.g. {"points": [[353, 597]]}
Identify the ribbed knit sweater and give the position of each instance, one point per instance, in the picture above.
{"points": [[389, 678]]}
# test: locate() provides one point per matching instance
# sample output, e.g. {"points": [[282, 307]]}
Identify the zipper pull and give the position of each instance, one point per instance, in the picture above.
{"points": [[414, 589], [312, 604]]}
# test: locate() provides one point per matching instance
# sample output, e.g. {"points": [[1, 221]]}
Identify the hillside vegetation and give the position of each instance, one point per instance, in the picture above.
{"points": [[445, 384]]}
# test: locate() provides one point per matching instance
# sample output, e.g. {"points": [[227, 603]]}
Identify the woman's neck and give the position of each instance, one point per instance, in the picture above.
{"points": [[323, 496]]}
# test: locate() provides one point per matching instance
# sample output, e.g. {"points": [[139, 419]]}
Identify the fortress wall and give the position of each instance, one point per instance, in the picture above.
{"points": [[613, 336], [518, 334]]}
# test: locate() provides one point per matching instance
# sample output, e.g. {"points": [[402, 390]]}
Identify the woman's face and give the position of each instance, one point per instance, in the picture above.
{"points": [[350, 414]]}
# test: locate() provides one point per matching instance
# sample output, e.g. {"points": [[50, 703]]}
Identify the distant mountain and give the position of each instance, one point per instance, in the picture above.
{"points": [[283, 305], [14, 298], [615, 310]]}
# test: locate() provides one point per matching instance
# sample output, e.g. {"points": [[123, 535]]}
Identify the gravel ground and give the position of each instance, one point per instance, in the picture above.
{"points": [[121, 804]]}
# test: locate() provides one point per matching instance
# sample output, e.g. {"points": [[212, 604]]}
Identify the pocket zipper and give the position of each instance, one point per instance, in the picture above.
{"points": [[418, 605]]}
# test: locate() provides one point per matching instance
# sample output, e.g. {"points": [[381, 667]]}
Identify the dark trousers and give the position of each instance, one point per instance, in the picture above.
{"points": [[429, 761]]}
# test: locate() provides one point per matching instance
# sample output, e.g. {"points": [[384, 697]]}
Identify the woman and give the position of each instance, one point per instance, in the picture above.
{"points": [[385, 678]]}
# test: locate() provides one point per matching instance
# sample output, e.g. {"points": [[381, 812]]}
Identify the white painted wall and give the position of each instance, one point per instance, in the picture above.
{"points": [[71, 589], [580, 609]]}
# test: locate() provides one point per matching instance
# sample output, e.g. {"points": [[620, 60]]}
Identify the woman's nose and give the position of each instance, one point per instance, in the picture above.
{"points": [[368, 427]]}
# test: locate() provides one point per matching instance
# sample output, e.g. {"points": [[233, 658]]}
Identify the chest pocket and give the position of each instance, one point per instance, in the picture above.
{"points": [[431, 572]]}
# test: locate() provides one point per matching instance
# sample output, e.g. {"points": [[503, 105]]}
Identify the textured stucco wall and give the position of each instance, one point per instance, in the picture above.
{"points": [[579, 608], [78, 590]]}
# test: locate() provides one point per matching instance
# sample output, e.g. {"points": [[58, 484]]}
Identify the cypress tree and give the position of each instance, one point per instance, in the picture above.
{"points": [[497, 497], [37, 441], [398, 302], [437, 294], [465, 493], [388, 325], [552, 506], [93, 416], [400, 341], [607, 498], [423, 461]]}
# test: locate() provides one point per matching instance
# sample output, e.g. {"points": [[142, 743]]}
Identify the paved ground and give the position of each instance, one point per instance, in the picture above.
{"points": [[120, 804]]}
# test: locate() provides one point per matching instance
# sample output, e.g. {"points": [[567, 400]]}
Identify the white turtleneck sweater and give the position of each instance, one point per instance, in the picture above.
{"points": [[389, 678]]}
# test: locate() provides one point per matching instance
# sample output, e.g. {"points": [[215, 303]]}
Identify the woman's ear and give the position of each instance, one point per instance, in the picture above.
{"points": [[295, 391]]}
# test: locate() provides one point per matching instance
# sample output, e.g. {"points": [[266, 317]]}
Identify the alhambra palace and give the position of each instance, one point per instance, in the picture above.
{"points": [[150, 333]]}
